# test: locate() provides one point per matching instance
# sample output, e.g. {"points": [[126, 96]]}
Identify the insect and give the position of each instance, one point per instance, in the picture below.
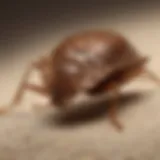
{"points": [[92, 62]]}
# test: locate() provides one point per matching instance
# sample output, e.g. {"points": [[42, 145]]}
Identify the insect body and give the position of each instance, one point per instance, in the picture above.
{"points": [[92, 62]]}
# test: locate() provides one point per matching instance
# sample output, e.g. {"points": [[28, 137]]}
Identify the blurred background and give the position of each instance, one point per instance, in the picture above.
{"points": [[38, 26], [29, 29]]}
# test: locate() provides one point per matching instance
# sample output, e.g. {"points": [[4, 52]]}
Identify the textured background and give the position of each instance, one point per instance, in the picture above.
{"points": [[29, 30]]}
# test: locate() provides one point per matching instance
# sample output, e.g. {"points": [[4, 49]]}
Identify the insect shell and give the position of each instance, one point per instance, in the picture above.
{"points": [[93, 62]]}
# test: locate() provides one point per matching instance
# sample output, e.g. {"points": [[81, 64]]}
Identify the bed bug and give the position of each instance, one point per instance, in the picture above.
{"points": [[92, 62]]}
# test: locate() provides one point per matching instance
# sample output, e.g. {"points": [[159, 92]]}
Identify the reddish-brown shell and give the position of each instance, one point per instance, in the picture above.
{"points": [[85, 59]]}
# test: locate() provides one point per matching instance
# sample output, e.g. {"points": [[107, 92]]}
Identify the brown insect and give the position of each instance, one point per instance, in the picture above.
{"points": [[91, 62]]}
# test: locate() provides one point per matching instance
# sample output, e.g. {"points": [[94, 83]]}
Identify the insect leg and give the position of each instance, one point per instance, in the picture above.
{"points": [[152, 76], [113, 113], [113, 106], [39, 65], [24, 84], [44, 65]]}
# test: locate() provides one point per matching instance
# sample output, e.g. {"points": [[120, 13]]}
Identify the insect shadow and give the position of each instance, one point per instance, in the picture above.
{"points": [[86, 113]]}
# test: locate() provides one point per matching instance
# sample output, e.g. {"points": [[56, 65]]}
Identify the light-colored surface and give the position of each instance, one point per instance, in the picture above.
{"points": [[23, 135]]}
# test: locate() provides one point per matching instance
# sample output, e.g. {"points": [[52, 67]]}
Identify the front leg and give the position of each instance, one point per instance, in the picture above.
{"points": [[32, 87], [24, 85]]}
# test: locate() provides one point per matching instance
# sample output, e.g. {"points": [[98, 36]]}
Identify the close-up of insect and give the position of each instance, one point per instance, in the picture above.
{"points": [[91, 62], [80, 81]]}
